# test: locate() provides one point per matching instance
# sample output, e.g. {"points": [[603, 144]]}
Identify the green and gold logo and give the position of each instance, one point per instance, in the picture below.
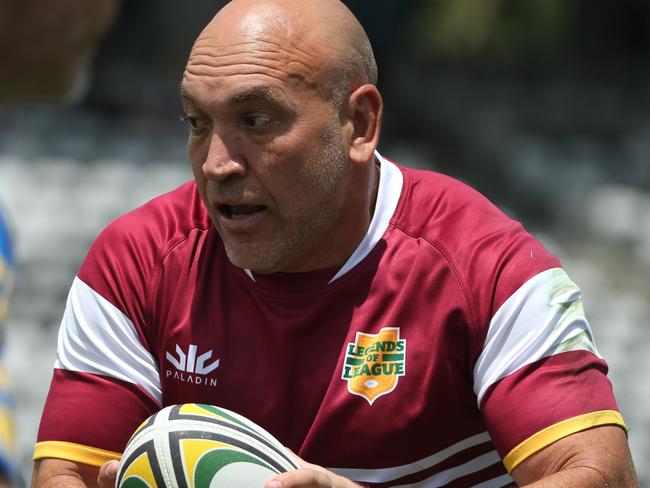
{"points": [[374, 363]]}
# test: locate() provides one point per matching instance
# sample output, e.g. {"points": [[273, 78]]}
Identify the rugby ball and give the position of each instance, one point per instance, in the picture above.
{"points": [[201, 446]]}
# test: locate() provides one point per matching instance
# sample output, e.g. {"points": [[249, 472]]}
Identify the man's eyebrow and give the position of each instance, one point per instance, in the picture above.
{"points": [[258, 93]]}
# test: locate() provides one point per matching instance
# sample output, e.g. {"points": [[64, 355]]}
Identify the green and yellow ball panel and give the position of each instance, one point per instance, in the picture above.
{"points": [[201, 446], [141, 469]]}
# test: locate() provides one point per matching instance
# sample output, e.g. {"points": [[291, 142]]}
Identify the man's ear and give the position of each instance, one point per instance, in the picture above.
{"points": [[365, 109]]}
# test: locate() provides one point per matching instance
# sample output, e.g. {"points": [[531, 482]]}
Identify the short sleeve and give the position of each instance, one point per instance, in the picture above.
{"points": [[106, 379], [539, 376]]}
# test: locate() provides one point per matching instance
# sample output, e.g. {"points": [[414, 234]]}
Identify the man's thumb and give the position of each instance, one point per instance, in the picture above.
{"points": [[107, 474]]}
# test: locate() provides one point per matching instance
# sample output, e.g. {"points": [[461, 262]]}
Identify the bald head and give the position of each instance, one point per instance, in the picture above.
{"points": [[329, 48]]}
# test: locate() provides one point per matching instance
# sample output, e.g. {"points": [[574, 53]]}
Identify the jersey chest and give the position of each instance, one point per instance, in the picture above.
{"points": [[379, 358]]}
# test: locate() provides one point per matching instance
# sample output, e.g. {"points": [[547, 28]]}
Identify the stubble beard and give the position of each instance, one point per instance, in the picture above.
{"points": [[303, 237]]}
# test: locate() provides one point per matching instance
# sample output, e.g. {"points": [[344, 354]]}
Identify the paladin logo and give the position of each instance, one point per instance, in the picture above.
{"points": [[192, 365], [374, 363]]}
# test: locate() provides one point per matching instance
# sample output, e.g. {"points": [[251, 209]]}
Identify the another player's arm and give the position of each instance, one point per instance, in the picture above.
{"points": [[51, 472], [598, 457]]}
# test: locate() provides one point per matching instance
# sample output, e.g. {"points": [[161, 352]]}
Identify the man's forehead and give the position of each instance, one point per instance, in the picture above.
{"points": [[267, 49], [258, 43], [262, 70], [238, 95]]}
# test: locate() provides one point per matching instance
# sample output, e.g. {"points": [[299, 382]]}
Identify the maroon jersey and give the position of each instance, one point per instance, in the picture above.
{"points": [[448, 348]]}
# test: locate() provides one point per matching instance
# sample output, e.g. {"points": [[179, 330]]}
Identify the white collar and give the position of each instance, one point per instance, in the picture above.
{"points": [[388, 193], [391, 181]]}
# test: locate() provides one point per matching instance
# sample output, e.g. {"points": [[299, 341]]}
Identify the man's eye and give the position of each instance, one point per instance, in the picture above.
{"points": [[194, 122], [257, 121]]}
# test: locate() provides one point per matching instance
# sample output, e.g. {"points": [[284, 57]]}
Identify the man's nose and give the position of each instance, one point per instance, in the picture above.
{"points": [[223, 159]]}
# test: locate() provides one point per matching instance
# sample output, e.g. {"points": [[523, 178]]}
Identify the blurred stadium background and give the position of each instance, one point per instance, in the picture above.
{"points": [[543, 105]]}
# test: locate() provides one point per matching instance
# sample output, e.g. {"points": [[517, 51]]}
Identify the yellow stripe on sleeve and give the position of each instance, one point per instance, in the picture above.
{"points": [[74, 452], [555, 432]]}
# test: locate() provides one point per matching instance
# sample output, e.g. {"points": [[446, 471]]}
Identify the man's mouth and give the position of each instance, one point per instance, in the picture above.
{"points": [[238, 212]]}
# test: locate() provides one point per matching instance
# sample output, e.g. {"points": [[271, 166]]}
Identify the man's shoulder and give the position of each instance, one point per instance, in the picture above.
{"points": [[142, 237], [163, 219], [443, 208], [491, 253], [124, 262]]}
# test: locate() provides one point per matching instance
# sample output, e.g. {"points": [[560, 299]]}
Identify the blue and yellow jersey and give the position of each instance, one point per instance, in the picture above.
{"points": [[8, 464], [7, 270]]}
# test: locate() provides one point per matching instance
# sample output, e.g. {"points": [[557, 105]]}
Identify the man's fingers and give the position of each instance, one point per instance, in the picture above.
{"points": [[301, 478], [108, 474], [309, 477]]}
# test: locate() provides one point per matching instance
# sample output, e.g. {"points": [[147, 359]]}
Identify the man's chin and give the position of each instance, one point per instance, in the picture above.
{"points": [[254, 259]]}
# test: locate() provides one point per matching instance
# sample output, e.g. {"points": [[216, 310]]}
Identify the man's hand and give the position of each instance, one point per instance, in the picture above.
{"points": [[309, 476], [108, 474]]}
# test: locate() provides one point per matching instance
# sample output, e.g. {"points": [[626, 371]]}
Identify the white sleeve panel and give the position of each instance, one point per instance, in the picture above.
{"points": [[543, 318], [96, 337]]}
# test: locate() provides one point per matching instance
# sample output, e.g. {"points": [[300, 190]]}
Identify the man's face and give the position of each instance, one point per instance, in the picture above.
{"points": [[266, 152]]}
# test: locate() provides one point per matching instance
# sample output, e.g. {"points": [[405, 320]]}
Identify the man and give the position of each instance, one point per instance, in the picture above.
{"points": [[390, 326]]}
